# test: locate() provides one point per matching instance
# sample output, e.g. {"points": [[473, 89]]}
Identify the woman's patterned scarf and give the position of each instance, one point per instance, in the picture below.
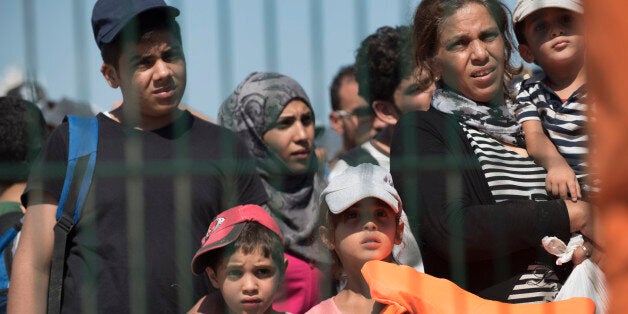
{"points": [[496, 121]]}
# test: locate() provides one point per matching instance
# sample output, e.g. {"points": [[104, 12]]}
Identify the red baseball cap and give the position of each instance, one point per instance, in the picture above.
{"points": [[227, 227]]}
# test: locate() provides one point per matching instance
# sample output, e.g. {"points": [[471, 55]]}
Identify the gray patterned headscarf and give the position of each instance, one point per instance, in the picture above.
{"points": [[256, 104], [251, 111]]}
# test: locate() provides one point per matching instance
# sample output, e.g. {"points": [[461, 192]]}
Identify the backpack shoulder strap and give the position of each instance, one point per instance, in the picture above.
{"points": [[83, 146], [10, 225]]}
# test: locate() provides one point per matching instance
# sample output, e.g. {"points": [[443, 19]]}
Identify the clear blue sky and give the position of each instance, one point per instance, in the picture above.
{"points": [[223, 41]]}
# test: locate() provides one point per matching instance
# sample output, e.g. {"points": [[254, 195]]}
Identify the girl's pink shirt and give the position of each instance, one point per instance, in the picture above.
{"points": [[326, 307]]}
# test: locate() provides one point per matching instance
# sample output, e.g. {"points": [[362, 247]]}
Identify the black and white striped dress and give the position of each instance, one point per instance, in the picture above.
{"points": [[512, 176]]}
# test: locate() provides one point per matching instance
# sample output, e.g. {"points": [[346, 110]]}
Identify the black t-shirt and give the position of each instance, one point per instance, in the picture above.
{"points": [[152, 198]]}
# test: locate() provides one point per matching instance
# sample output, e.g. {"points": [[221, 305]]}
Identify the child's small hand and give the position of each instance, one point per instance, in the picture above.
{"points": [[562, 179]]}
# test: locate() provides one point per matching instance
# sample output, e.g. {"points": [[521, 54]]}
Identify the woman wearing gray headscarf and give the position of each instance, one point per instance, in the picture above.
{"points": [[274, 117]]}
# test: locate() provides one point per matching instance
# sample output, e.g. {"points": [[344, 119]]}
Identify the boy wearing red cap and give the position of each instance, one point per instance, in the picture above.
{"points": [[242, 254]]}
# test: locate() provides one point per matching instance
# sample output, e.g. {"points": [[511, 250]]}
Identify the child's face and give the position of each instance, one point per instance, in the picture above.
{"points": [[247, 282], [554, 37], [366, 231]]}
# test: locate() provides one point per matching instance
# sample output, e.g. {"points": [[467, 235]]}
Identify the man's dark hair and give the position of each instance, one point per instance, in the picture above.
{"points": [[334, 91], [23, 132], [140, 28], [382, 61], [253, 237]]}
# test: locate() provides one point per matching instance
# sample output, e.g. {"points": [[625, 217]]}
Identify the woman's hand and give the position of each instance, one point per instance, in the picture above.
{"points": [[560, 180], [581, 253], [580, 218], [590, 251]]}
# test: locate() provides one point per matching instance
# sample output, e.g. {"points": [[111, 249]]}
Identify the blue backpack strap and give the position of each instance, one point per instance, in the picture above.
{"points": [[10, 226], [83, 146], [7, 237], [5, 240], [81, 156]]}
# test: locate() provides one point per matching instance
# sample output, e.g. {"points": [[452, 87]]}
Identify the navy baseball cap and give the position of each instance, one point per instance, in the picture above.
{"points": [[110, 16]]}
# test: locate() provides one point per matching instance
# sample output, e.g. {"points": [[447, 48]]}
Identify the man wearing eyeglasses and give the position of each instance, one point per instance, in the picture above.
{"points": [[352, 117], [386, 78]]}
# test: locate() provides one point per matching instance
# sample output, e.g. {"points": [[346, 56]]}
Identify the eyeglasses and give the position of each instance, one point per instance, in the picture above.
{"points": [[364, 111]]}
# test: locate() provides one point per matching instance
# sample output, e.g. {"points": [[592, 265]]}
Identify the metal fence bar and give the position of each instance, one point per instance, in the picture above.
{"points": [[317, 47], [135, 226], [30, 44], [80, 51], [361, 20], [225, 46], [270, 35]]}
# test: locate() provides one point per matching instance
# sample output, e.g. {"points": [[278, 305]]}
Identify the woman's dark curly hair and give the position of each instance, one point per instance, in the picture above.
{"points": [[431, 14], [383, 59]]}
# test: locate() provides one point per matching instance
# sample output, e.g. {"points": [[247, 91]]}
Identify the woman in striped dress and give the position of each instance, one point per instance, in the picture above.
{"points": [[474, 196]]}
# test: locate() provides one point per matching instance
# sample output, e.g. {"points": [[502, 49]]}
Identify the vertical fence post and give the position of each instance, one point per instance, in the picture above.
{"points": [[318, 60], [30, 44], [361, 19], [270, 35], [80, 50], [225, 46]]}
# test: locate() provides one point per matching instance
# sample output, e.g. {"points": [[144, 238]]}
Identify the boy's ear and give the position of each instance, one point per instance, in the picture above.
{"points": [[282, 274], [110, 74], [526, 53], [386, 111], [212, 277], [326, 237], [399, 233]]}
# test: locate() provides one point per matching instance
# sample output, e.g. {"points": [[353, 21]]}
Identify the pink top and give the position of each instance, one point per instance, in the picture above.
{"points": [[326, 307], [300, 288]]}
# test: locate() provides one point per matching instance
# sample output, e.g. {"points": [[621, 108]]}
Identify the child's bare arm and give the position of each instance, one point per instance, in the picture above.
{"points": [[560, 177]]}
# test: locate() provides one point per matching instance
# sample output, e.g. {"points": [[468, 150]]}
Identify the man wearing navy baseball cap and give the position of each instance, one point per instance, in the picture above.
{"points": [[157, 184]]}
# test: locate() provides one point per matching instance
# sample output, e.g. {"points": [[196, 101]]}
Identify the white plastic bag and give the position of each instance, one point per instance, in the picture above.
{"points": [[556, 246], [586, 280]]}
